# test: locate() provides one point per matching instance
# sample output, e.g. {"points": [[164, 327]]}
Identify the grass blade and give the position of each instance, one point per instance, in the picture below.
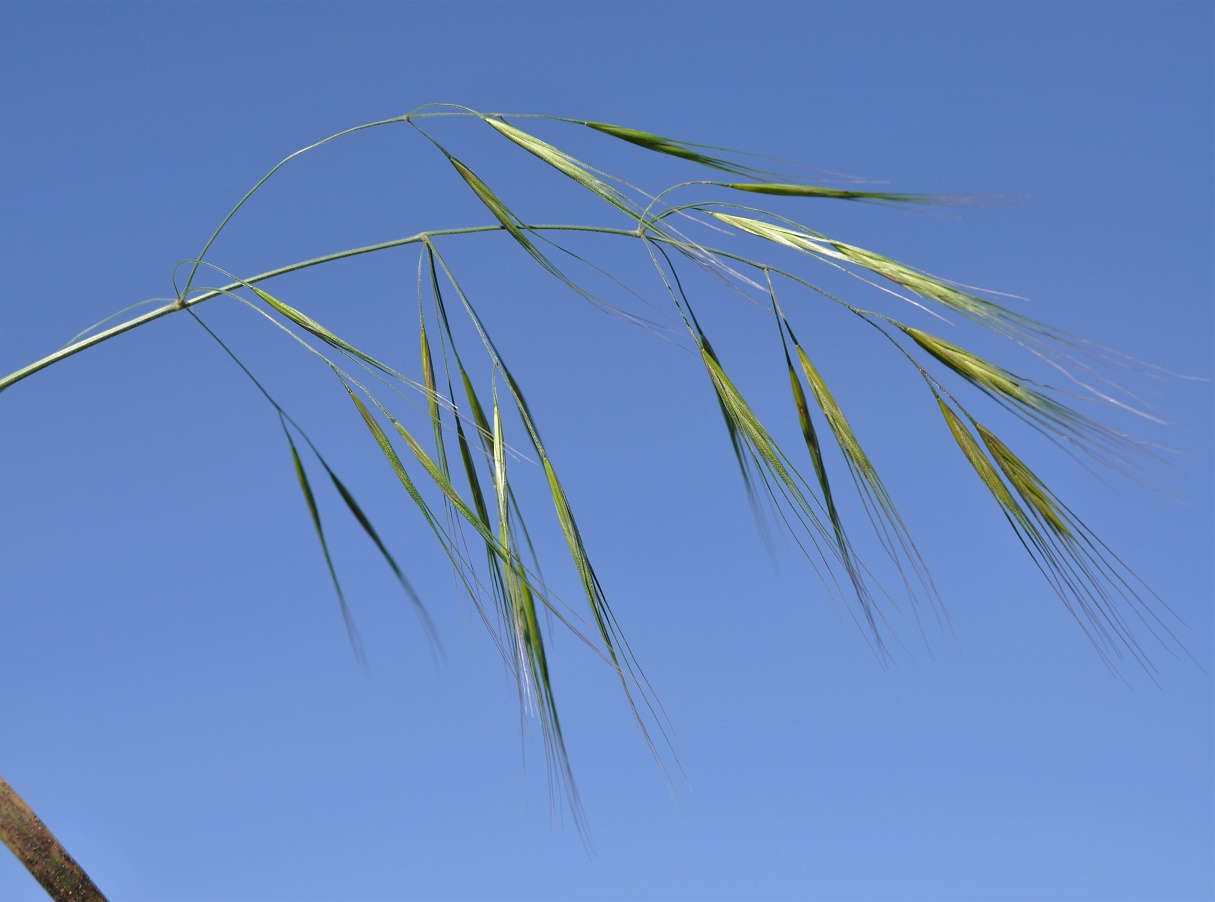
{"points": [[816, 456], [769, 456], [565, 164], [985, 312], [530, 639], [432, 396], [616, 647], [794, 190], [515, 227], [527, 643], [365, 522], [356, 642], [311, 325], [737, 444], [978, 460], [671, 147], [883, 514], [398, 468]]}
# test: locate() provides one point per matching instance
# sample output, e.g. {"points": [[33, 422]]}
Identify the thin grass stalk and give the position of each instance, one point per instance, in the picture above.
{"points": [[36, 847]]}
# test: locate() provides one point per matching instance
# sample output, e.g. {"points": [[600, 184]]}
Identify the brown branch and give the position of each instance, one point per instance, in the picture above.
{"points": [[30, 840]]}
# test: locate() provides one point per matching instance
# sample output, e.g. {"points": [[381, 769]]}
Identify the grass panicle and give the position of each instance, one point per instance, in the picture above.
{"points": [[479, 505], [985, 312]]}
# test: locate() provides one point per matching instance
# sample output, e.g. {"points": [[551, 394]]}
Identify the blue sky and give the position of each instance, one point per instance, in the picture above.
{"points": [[184, 709]]}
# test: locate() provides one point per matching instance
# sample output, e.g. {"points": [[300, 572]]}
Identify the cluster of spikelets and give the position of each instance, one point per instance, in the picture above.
{"points": [[473, 479]]}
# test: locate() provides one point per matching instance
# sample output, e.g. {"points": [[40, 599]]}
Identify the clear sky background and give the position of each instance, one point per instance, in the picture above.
{"points": [[182, 705]]}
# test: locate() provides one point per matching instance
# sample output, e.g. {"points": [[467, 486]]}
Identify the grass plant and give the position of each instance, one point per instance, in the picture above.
{"points": [[458, 469]]}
